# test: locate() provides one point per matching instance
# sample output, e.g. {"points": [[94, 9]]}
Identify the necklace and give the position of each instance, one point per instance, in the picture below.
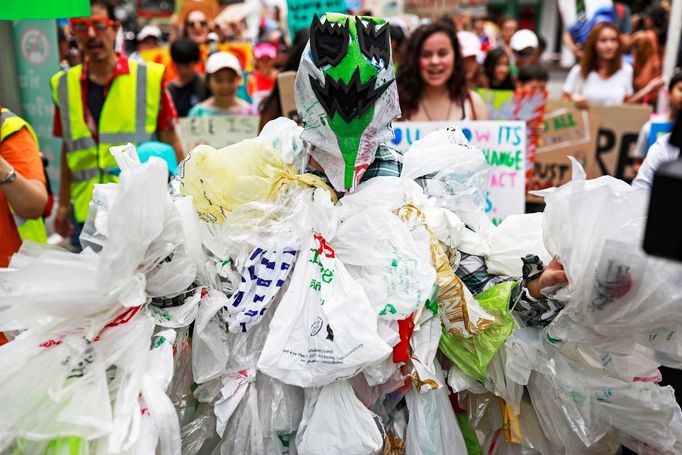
{"points": [[428, 116]]}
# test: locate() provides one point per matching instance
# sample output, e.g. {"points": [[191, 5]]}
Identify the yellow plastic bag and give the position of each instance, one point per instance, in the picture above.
{"points": [[221, 180]]}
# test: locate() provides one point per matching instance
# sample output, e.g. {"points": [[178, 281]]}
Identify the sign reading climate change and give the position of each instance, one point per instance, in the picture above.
{"points": [[504, 145]]}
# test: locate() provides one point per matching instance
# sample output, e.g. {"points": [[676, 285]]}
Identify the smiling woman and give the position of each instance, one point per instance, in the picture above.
{"points": [[431, 79]]}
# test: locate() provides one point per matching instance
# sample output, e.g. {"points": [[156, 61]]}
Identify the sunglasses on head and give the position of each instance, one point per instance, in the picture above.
{"points": [[100, 25], [525, 52], [198, 24]]}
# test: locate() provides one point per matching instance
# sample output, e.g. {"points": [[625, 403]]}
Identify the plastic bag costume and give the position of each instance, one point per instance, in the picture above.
{"points": [[244, 309]]}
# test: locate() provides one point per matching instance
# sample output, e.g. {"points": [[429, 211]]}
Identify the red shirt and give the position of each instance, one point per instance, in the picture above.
{"points": [[166, 119]]}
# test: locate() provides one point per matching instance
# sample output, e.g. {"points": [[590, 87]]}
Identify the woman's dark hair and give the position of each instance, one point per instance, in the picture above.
{"points": [[270, 108], [410, 84], [675, 78], [491, 61]]}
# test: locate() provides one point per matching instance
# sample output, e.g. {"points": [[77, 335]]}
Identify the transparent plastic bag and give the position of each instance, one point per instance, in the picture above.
{"points": [[339, 423], [221, 180], [472, 355], [456, 173], [324, 327], [284, 135], [210, 351], [432, 427], [280, 407]]}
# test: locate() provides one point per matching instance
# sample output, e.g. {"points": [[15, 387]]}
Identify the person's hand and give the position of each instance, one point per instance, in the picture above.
{"points": [[654, 84], [553, 275], [580, 102], [62, 221]]}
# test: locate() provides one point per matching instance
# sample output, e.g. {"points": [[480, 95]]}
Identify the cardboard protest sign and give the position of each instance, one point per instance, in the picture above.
{"points": [[524, 105], [658, 129], [429, 7], [618, 131], [567, 131], [300, 12], [287, 98], [504, 145], [216, 131]]}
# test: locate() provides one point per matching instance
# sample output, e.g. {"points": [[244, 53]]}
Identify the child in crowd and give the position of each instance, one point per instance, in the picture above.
{"points": [[532, 78], [675, 92], [188, 88], [261, 81], [223, 77]]}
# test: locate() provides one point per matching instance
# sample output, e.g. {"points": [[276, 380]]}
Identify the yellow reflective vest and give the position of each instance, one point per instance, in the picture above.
{"points": [[34, 230], [129, 114]]}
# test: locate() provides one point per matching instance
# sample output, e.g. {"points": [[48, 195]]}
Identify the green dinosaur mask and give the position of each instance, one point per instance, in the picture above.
{"points": [[346, 94]]}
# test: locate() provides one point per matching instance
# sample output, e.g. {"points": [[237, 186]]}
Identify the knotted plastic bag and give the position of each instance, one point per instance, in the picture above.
{"points": [[221, 180], [472, 355]]}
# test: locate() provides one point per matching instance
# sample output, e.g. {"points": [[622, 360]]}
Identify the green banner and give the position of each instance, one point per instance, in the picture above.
{"points": [[300, 12], [43, 9], [37, 60]]}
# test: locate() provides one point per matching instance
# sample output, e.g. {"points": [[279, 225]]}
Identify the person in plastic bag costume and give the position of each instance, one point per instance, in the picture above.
{"points": [[346, 95], [347, 98]]}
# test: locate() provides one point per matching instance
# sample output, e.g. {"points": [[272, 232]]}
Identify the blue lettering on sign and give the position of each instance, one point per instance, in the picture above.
{"points": [[397, 135], [488, 203], [467, 134]]}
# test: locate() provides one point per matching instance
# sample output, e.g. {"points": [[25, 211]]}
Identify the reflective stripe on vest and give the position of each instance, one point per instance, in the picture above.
{"points": [[129, 114], [34, 230]]}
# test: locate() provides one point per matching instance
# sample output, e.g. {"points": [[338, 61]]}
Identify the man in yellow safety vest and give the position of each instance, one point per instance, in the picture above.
{"points": [[108, 100], [23, 193]]}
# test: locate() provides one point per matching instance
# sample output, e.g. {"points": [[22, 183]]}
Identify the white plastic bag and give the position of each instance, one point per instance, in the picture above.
{"points": [[517, 236], [324, 327], [210, 351], [381, 255], [339, 423]]}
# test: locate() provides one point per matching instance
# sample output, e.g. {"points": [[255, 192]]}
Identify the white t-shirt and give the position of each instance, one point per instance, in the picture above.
{"points": [[609, 91], [659, 153]]}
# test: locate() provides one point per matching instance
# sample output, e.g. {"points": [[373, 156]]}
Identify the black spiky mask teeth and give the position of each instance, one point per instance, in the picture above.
{"points": [[330, 42], [346, 94]]}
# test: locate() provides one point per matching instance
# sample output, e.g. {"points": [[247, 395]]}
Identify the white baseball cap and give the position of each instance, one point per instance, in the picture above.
{"points": [[470, 44], [523, 39], [149, 31], [220, 60]]}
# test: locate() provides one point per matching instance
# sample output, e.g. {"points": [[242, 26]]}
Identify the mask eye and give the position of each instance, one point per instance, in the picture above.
{"points": [[328, 41], [374, 44]]}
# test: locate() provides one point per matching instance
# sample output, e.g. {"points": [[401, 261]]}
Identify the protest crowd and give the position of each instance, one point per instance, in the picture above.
{"points": [[339, 227]]}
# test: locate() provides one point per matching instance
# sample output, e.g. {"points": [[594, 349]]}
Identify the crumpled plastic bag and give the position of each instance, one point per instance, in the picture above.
{"points": [[339, 423], [210, 351], [381, 255], [516, 237], [432, 427], [472, 355], [455, 173], [324, 327], [459, 311], [284, 135], [263, 276], [221, 180], [615, 290]]}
